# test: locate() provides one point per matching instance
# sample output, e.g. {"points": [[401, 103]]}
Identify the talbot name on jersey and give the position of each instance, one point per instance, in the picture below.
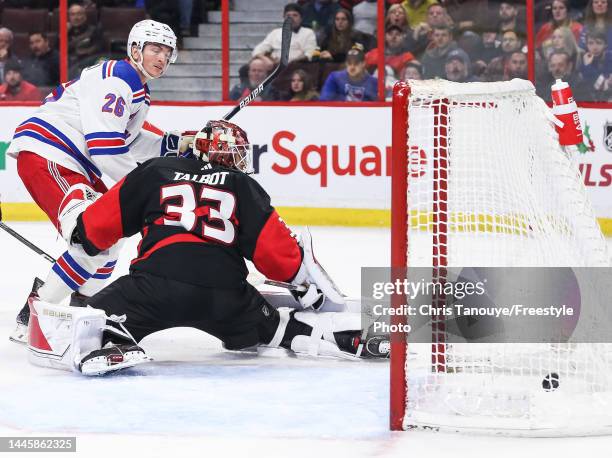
{"points": [[210, 178]]}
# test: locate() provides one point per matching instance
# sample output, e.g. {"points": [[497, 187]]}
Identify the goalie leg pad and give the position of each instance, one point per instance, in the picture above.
{"points": [[285, 315], [59, 336], [321, 341]]}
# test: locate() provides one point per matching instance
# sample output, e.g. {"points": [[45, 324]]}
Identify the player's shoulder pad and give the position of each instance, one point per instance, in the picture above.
{"points": [[124, 71]]}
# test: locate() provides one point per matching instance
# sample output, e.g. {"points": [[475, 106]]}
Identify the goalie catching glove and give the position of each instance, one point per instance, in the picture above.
{"points": [[320, 286]]}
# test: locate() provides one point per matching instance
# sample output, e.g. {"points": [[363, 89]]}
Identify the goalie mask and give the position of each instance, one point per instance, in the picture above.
{"points": [[225, 144]]}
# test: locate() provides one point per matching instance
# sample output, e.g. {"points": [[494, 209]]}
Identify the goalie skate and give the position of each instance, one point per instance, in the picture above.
{"points": [[113, 358], [376, 347], [20, 334]]}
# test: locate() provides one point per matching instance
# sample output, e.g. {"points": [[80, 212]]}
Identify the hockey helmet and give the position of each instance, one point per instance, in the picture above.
{"points": [[149, 31], [223, 143]]}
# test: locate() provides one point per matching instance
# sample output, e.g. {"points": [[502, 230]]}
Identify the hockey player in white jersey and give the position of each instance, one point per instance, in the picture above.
{"points": [[89, 130]]}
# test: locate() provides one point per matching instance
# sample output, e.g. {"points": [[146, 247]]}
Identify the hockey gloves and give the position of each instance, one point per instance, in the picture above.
{"points": [[313, 297], [312, 275], [178, 144]]}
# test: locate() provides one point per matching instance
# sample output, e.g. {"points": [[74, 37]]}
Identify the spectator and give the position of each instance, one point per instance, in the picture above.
{"points": [[389, 81], [42, 67], [114, 3], [50, 4], [412, 71], [15, 89], [597, 16], [491, 46], [395, 56], [434, 58], [497, 67], [349, 4], [421, 35], [365, 14], [457, 67], [560, 18], [185, 11], [516, 66], [510, 42], [84, 40], [165, 11], [396, 15], [416, 11], [301, 89], [341, 37], [6, 52], [257, 73], [319, 14], [563, 40], [597, 65], [471, 43], [354, 84], [560, 66], [467, 15], [509, 19], [303, 40]]}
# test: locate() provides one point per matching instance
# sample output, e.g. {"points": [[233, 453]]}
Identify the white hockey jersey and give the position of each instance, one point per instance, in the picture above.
{"points": [[93, 124]]}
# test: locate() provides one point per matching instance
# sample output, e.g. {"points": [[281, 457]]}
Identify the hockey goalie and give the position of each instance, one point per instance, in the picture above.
{"points": [[200, 217]]}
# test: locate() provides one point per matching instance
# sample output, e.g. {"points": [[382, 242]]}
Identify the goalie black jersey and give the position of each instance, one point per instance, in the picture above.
{"points": [[198, 223]]}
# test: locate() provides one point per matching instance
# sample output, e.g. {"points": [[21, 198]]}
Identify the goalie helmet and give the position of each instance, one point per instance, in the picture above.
{"points": [[223, 143], [149, 31]]}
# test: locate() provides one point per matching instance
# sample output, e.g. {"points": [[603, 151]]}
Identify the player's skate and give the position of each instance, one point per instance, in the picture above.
{"points": [[78, 300], [20, 334], [112, 358], [376, 347]]}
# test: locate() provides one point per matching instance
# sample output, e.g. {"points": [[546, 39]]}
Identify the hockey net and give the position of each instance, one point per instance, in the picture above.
{"points": [[479, 179]]}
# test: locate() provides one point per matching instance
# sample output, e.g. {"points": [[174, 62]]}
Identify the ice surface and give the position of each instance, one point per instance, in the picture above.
{"points": [[198, 400]]}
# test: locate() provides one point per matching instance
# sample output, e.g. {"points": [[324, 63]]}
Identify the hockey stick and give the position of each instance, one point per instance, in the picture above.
{"points": [[256, 279], [284, 60], [253, 278], [25, 241]]}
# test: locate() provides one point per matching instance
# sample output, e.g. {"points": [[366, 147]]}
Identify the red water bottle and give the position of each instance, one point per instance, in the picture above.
{"points": [[566, 111]]}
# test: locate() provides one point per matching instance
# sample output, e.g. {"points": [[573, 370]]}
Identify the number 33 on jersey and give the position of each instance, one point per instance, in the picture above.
{"points": [[201, 211]]}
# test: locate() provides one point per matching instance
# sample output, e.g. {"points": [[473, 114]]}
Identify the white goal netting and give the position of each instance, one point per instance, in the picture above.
{"points": [[489, 185]]}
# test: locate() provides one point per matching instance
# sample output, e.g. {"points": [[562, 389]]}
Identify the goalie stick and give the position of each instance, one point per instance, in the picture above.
{"points": [[255, 279], [284, 60]]}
